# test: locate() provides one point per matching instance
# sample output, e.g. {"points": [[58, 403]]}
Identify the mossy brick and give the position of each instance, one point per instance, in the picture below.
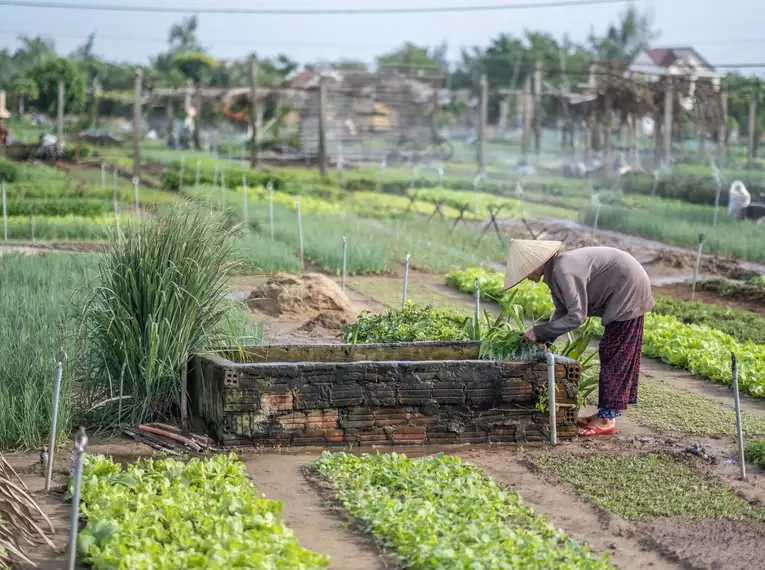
{"points": [[380, 394], [312, 396]]}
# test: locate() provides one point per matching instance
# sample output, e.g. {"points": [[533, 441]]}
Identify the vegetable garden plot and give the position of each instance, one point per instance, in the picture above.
{"points": [[175, 516], [439, 513]]}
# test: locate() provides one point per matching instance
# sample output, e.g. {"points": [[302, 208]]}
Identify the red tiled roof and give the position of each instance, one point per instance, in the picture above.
{"points": [[662, 57]]}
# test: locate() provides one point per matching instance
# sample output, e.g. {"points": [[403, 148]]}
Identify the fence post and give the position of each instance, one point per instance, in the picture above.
{"points": [[80, 443], [669, 99], [718, 181], [137, 124], [345, 259], [406, 280], [136, 183], [59, 370], [322, 128], [244, 197], [739, 428], [271, 208], [477, 293], [722, 129], [697, 266], [254, 77], [60, 113], [483, 117], [300, 232], [551, 405], [752, 130], [538, 110], [527, 112], [5, 214], [596, 203]]}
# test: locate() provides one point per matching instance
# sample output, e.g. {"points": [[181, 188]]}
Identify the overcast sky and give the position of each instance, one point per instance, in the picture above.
{"points": [[726, 32]]}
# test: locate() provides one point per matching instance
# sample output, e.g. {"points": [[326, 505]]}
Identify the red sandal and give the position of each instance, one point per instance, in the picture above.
{"points": [[595, 430]]}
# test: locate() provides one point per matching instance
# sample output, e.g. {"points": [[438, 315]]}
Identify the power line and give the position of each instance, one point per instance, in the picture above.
{"points": [[309, 11]]}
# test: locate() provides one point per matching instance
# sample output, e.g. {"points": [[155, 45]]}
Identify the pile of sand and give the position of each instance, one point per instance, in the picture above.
{"points": [[313, 298]]}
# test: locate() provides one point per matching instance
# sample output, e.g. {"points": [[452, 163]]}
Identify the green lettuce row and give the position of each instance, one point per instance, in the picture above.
{"points": [[534, 297], [437, 513], [705, 351], [176, 516]]}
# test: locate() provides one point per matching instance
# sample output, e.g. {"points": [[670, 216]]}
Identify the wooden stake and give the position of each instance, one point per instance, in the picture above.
{"points": [[483, 117], [60, 113], [137, 124], [669, 99], [322, 128], [752, 130], [254, 77]]}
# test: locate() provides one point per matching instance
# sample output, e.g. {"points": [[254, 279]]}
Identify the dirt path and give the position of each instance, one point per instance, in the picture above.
{"points": [[682, 291], [601, 530], [280, 477]]}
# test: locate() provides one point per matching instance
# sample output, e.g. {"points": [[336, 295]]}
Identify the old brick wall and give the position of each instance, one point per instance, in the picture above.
{"points": [[374, 403]]}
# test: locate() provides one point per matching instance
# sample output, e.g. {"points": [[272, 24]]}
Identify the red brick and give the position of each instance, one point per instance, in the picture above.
{"points": [[279, 402], [419, 420], [410, 430], [358, 425], [335, 435], [295, 420], [391, 414], [386, 422]]}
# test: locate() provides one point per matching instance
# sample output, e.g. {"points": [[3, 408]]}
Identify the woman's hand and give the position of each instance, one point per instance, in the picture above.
{"points": [[529, 336]]}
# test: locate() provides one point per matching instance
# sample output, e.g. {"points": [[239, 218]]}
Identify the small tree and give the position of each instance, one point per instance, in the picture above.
{"points": [[24, 87], [46, 76]]}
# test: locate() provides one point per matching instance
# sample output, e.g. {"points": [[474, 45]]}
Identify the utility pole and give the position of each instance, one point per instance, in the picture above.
{"points": [[137, 124], [434, 116], [322, 127], [254, 126], [527, 111], [60, 113], [482, 119], [669, 99], [609, 109], [752, 128], [538, 110], [722, 135]]}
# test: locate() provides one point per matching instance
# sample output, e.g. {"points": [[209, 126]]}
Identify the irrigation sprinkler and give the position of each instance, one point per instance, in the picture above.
{"points": [[345, 259], [406, 279], [196, 178], [5, 214], [136, 183], [80, 443], [270, 187], [300, 232], [103, 174], [244, 197], [551, 406], [519, 193], [596, 203], [58, 373], [739, 429], [697, 267], [182, 174], [114, 179], [477, 292]]}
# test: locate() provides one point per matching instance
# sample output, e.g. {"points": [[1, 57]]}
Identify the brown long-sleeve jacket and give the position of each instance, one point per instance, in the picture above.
{"points": [[594, 282]]}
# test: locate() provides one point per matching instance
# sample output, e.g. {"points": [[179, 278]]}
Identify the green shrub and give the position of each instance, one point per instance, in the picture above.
{"points": [[58, 207], [9, 172], [161, 297], [755, 452]]}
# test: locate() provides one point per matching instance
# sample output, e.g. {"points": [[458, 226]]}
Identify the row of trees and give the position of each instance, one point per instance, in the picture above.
{"points": [[32, 71]]}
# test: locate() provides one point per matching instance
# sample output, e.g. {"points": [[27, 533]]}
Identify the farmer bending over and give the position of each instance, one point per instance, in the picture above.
{"points": [[598, 282]]}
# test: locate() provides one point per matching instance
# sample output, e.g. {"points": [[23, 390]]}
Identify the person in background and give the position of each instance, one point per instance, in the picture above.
{"points": [[591, 282]]}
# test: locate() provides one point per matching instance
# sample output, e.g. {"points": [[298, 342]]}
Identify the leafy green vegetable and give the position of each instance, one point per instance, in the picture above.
{"points": [[629, 486], [437, 513], [705, 351], [175, 516], [410, 324], [741, 325]]}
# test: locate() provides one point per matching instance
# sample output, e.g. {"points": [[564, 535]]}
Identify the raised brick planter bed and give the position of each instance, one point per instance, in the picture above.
{"points": [[375, 394]]}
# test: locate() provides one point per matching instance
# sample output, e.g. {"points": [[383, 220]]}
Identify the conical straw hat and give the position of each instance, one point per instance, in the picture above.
{"points": [[526, 256], [4, 114]]}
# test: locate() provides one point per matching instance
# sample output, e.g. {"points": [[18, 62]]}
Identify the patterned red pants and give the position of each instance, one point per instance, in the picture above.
{"points": [[620, 351]]}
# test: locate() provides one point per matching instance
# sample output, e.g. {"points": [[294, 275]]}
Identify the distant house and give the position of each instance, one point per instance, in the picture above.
{"points": [[653, 64]]}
